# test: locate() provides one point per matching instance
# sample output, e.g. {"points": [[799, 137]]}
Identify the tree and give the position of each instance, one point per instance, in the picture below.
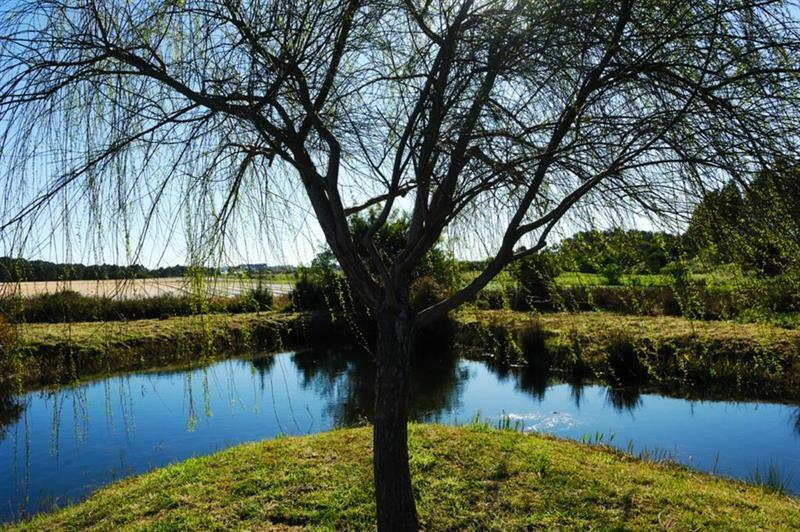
{"points": [[717, 224], [506, 117], [632, 251], [773, 221], [757, 228]]}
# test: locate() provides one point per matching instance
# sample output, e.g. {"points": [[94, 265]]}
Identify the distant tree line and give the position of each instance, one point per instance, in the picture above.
{"points": [[18, 270]]}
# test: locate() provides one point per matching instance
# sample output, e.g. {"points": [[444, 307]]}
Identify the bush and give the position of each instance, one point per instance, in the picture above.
{"points": [[321, 287], [64, 305], [425, 292], [533, 342], [308, 294], [624, 364], [490, 300], [643, 300], [612, 274], [8, 336], [777, 294], [260, 297], [535, 276], [501, 343]]}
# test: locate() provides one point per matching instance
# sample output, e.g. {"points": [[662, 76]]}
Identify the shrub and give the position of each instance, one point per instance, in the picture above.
{"points": [[501, 343], [321, 287], [424, 292], [308, 294], [612, 274], [490, 300], [70, 306], [533, 342], [535, 276], [260, 297], [64, 305], [624, 364], [8, 336]]}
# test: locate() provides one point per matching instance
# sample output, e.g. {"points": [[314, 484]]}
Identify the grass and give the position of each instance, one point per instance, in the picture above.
{"points": [[771, 479], [286, 278], [52, 353], [467, 478], [596, 279], [704, 358], [567, 279]]}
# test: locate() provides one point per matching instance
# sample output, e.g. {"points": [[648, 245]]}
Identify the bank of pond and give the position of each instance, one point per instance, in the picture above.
{"points": [[59, 445], [748, 361]]}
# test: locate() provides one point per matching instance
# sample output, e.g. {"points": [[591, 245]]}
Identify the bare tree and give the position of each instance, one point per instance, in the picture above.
{"points": [[511, 114]]}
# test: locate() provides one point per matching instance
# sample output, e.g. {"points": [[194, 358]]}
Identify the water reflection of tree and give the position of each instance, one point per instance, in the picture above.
{"points": [[346, 381], [576, 387], [10, 412], [796, 420], [526, 379], [263, 366], [624, 399], [535, 383]]}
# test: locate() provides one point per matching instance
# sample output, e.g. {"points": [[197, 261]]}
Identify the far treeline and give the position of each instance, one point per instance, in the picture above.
{"points": [[19, 270]]}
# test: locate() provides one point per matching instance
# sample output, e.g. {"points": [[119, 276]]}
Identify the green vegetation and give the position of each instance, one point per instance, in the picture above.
{"points": [[42, 354], [67, 306], [322, 286], [738, 259], [756, 226], [473, 478], [18, 269], [750, 360], [762, 300], [629, 252], [754, 361]]}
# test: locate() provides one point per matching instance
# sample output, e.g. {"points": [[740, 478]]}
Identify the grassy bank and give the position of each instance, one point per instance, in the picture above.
{"points": [[749, 360], [464, 478], [42, 353], [755, 361]]}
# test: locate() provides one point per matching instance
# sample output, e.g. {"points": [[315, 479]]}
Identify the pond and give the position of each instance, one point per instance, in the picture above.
{"points": [[56, 447]]}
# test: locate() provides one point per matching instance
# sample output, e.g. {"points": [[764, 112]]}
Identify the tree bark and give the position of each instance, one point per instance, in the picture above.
{"points": [[393, 492]]}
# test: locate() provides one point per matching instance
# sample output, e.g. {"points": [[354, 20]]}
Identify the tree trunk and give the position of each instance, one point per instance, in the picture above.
{"points": [[393, 494]]}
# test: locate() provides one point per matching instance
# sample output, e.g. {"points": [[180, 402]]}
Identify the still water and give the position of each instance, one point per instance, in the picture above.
{"points": [[58, 446]]}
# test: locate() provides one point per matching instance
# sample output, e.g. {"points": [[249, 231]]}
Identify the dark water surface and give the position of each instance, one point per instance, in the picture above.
{"points": [[58, 447]]}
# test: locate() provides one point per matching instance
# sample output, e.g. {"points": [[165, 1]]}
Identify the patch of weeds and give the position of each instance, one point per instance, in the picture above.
{"points": [[508, 423], [502, 345], [657, 455], [597, 438], [422, 460], [533, 342], [500, 470], [772, 479], [623, 359]]}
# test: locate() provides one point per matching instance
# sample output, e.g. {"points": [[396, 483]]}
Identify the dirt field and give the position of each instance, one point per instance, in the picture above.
{"points": [[137, 288]]}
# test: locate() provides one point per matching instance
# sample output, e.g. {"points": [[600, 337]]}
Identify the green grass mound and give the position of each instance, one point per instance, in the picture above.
{"points": [[464, 478]]}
